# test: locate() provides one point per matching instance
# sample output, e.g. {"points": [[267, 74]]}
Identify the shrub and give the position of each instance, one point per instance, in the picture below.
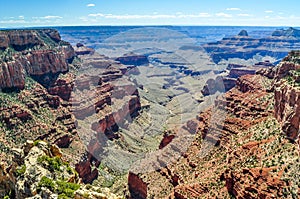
{"points": [[46, 182], [36, 142], [53, 164], [63, 196], [66, 188], [20, 171], [69, 170], [289, 79]]}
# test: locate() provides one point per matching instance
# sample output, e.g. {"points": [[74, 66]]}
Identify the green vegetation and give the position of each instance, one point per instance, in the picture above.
{"points": [[53, 164], [17, 130], [7, 99], [29, 83], [107, 177], [20, 171], [278, 152], [290, 79], [7, 54], [66, 188], [47, 40], [293, 78], [36, 142], [293, 56], [46, 182], [62, 188], [69, 169], [8, 195]]}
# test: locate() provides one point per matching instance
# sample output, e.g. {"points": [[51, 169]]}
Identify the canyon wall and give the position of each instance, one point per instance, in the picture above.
{"points": [[54, 93], [243, 46], [37, 53], [287, 95], [247, 154]]}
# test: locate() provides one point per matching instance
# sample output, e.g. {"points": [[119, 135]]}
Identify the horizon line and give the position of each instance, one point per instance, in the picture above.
{"points": [[141, 25]]}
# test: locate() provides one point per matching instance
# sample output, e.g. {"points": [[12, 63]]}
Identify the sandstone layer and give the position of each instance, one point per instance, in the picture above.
{"points": [[40, 54], [244, 156], [243, 46]]}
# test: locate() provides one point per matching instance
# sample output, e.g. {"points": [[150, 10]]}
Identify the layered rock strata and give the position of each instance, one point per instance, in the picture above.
{"points": [[246, 155], [37, 53], [245, 47]]}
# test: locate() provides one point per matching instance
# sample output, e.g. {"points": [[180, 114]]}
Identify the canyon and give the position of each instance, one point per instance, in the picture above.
{"points": [[139, 126], [250, 156], [41, 98], [243, 46]]}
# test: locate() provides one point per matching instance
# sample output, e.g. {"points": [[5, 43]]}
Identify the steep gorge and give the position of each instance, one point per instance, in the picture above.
{"points": [[83, 102], [246, 157], [44, 98]]}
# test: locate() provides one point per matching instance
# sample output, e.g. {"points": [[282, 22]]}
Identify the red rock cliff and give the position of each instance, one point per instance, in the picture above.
{"points": [[33, 53], [287, 95]]}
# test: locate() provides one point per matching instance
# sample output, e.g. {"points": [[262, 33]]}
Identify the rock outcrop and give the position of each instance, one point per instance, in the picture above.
{"points": [[225, 83], [290, 32], [235, 148], [39, 53], [229, 158], [62, 87], [243, 33], [214, 85], [133, 59], [80, 49], [244, 47], [45, 109], [287, 110], [39, 172], [41, 162], [287, 95], [85, 171], [19, 39], [264, 179], [110, 95], [105, 99]]}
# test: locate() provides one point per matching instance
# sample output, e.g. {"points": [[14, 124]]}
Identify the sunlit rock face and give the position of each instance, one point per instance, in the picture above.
{"points": [[287, 95], [37, 53]]}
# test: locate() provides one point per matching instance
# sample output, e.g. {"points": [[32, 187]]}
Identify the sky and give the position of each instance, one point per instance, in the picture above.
{"points": [[35, 13]]}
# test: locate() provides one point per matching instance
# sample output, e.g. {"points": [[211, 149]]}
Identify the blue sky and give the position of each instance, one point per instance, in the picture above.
{"points": [[21, 13]]}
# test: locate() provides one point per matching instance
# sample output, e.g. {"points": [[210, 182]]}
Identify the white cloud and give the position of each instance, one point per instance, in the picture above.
{"points": [[204, 14], [153, 16], [200, 15], [51, 17], [21, 21], [30, 21], [222, 14], [233, 9], [110, 16], [269, 11], [244, 15], [96, 15], [91, 5]]}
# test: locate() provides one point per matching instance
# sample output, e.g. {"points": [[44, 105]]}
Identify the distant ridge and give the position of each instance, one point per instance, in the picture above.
{"points": [[290, 32]]}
